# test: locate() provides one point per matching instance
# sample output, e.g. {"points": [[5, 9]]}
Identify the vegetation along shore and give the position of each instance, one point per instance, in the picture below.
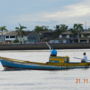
{"points": [[60, 37]]}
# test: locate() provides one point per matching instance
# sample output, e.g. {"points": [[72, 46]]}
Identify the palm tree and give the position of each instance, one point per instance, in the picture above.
{"points": [[41, 28], [3, 29], [59, 29], [77, 29], [20, 31]]}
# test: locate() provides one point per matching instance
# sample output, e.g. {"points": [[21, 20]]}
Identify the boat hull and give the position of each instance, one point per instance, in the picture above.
{"points": [[12, 64]]}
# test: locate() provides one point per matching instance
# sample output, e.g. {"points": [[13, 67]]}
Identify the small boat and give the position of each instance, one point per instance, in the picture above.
{"points": [[54, 63]]}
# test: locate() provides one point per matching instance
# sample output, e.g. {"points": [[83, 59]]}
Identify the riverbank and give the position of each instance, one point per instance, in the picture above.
{"points": [[42, 46]]}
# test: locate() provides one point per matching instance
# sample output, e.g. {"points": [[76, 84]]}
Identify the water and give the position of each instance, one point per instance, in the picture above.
{"points": [[76, 79]]}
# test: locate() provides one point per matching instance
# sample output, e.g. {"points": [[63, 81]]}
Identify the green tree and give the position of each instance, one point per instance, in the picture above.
{"points": [[59, 29], [3, 29], [20, 30], [77, 28], [41, 28]]}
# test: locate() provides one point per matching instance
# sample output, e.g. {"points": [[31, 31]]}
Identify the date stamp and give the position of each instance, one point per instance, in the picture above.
{"points": [[81, 80]]}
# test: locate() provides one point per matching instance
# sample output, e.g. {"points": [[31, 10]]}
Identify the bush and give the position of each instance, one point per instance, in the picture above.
{"points": [[16, 41]]}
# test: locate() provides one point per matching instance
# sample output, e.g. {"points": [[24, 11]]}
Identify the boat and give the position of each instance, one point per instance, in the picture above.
{"points": [[54, 63]]}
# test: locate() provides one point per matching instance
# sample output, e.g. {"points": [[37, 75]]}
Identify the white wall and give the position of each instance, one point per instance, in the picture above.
{"points": [[10, 39]]}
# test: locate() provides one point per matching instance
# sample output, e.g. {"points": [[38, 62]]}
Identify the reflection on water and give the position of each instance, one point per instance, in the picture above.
{"points": [[75, 79]]}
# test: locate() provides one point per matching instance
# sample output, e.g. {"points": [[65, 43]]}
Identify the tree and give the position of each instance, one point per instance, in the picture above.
{"points": [[59, 29], [77, 28], [41, 28], [20, 31], [3, 29]]}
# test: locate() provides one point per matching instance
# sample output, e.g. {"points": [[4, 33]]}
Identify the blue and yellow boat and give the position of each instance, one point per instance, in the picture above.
{"points": [[54, 63]]}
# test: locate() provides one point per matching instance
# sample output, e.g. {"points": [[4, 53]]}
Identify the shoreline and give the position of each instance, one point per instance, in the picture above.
{"points": [[43, 46]]}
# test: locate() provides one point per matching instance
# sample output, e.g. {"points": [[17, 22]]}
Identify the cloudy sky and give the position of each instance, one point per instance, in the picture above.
{"points": [[44, 12]]}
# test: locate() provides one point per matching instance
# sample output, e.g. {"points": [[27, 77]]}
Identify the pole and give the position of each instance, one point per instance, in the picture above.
{"points": [[48, 46]]}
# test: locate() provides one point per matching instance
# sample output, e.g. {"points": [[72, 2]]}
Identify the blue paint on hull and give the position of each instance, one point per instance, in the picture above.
{"points": [[16, 65], [21, 66]]}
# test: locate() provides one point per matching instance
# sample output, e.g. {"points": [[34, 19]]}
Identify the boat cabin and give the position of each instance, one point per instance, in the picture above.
{"points": [[59, 59]]}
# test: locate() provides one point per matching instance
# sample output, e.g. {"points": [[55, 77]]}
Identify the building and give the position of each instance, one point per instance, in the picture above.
{"points": [[11, 37], [7, 37], [69, 37], [33, 37]]}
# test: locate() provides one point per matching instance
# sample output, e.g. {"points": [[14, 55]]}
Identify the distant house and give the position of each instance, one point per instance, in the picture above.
{"points": [[2, 37], [13, 36], [10, 36], [7, 37], [33, 37], [68, 37], [46, 35]]}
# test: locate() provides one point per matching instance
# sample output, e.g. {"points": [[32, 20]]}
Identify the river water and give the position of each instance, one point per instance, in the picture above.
{"points": [[74, 79]]}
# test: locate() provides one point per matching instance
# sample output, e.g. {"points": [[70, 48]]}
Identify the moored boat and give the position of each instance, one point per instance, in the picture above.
{"points": [[54, 63]]}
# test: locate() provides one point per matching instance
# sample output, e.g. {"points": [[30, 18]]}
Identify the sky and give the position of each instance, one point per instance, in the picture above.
{"points": [[31, 13]]}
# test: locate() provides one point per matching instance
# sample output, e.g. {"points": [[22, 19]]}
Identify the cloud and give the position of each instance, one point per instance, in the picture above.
{"points": [[74, 13], [69, 12]]}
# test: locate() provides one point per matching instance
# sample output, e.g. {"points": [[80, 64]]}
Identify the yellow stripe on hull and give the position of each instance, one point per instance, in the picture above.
{"points": [[47, 63]]}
